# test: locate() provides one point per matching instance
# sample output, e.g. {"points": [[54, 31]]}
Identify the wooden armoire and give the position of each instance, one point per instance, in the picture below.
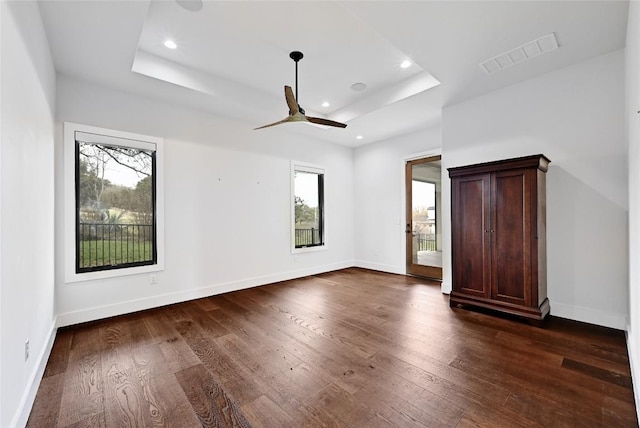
{"points": [[498, 236]]}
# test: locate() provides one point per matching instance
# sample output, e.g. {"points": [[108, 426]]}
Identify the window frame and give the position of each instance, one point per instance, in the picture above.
{"points": [[313, 169], [113, 138]]}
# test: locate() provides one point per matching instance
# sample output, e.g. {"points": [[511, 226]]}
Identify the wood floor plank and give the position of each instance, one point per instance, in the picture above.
{"points": [[545, 411], [616, 366], [280, 376], [225, 370], [176, 352], [344, 408], [598, 373], [82, 395], [97, 420], [438, 380], [124, 402], [339, 334], [211, 403], [348, 348], [485, 417], [59, 357], [609, 347], [316, 350], [406, 404], [553, 384], [123, 398], [264, 413], [47, 414], [161, 397], [618, 413]]}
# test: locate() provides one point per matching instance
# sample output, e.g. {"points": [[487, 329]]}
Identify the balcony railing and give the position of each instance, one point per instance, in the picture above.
{"points": [[425, 242], [307, 237], [106, 244]]}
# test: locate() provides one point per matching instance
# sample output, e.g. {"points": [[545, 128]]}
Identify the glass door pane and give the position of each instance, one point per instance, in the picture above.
{"points": [[424, 208]]}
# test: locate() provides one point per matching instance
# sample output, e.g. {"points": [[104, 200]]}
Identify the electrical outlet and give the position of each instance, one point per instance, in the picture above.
{"points": [[153, 279], [26, 350]]}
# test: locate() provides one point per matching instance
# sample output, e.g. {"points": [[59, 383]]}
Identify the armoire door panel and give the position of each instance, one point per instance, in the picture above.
{"points": [[473, 276], [511, 237]]}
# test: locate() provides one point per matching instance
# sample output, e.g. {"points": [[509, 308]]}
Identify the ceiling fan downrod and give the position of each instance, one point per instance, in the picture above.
{"points": [[297, 56]]}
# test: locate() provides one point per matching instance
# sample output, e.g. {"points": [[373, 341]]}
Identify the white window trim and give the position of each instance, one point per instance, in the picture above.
{"points": [[316, 169], [108, 136]]}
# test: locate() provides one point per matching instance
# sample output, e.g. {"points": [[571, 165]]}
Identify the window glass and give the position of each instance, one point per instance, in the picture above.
{"points": [[116, 206], [308, 207]]}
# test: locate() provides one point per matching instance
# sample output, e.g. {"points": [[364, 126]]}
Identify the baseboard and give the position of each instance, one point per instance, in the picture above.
{"points": [[446, 287], [26, 403], [100, 312], [588, 315], [381, 267]]}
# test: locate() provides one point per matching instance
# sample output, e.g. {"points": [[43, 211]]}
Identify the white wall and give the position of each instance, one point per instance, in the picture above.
{"points": [[227, 203], [632, 91], [26, 207], [575, 116], [380, 198]]}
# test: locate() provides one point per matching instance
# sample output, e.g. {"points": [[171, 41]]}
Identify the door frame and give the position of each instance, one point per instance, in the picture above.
{"points": [[411, 268]]}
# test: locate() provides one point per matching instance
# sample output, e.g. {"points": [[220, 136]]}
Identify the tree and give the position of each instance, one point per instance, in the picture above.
{"points": [[91, 185], [119, 197], [97, 193], [305, 215], [142, 201]]}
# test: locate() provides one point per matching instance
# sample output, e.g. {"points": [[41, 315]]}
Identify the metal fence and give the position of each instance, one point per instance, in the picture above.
{"points": [[425, 242], [308, 237], [106, 244]]}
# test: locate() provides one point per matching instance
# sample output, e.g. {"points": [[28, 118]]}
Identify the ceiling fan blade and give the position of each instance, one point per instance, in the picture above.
{"points": [[285, 120], [291, 100], [326, 122]]}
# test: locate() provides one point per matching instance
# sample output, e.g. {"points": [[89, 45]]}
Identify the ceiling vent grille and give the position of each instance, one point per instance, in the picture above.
{"points": [[520, 54]]}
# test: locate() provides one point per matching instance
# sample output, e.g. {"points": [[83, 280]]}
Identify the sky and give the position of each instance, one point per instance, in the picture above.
{"points": [[306, 186], [122, 176], [424, 194]]}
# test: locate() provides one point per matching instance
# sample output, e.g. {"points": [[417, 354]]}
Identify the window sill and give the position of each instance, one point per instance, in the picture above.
{"points": [[309, 249], [112, 273]]}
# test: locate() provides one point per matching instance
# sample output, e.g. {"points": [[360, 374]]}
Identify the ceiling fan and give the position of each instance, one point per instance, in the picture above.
{"points": [[296, 113]]}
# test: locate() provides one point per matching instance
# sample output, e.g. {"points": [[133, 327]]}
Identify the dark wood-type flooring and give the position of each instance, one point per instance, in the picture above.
{"points": [[351, 348]]}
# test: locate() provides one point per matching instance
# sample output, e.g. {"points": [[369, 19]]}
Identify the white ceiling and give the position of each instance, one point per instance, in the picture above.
{"points": [[233, 56]]}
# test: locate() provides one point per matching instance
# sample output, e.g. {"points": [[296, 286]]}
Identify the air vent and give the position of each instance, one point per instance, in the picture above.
{"points": [[520, 54]]}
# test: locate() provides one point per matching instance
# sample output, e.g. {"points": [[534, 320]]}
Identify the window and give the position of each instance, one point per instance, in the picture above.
{"points": [[308, 207], [113, 203]]}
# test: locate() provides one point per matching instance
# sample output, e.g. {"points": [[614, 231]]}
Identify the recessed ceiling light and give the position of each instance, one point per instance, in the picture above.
{"points": [[405, 64], [170, 44], [326, 104], [359, 86], [359, 137]]}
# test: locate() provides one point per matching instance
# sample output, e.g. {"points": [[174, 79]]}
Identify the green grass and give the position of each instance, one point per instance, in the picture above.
{"points": [[97, 253]]}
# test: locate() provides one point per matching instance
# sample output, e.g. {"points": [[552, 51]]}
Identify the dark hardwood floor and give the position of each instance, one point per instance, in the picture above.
{"points": [[351, 348]]}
